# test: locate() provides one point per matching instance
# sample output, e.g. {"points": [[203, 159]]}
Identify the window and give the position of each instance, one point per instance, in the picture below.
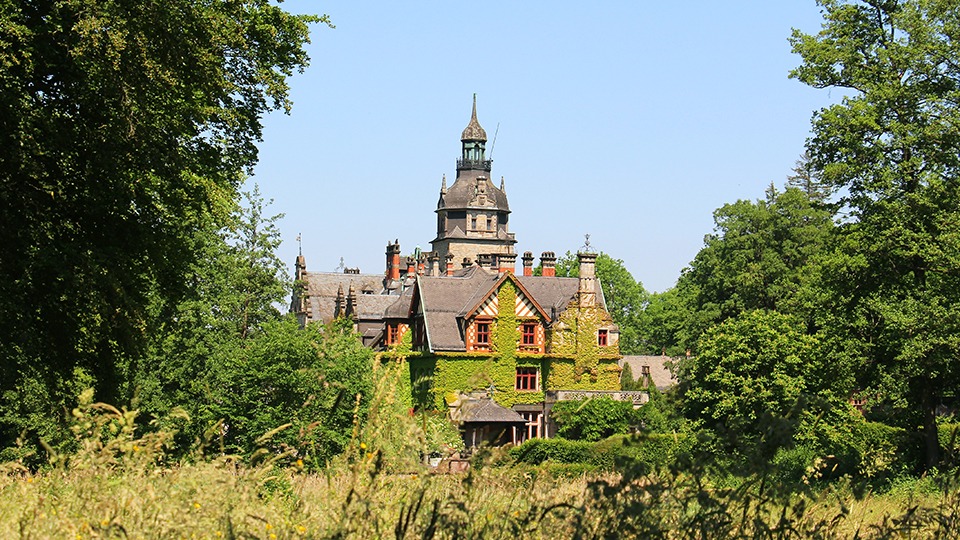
{"points": [[602, 337], [644, 371], [527, 378], [393, 334], [534, 424], [483, 335], [529, 334]]}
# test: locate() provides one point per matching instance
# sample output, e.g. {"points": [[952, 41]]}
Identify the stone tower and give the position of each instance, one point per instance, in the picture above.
{"points": [[473, 214]]}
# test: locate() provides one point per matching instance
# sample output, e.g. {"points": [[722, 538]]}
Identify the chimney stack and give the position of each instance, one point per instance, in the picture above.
{"points": [[449, 264], [507, 263], [548, 264], [393, 261], [411, 266], [527, 263], [301, 267], [588, 279], [467, 262]]}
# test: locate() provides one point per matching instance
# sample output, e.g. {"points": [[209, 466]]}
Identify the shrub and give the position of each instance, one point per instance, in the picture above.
{"points": [[593, 419]]}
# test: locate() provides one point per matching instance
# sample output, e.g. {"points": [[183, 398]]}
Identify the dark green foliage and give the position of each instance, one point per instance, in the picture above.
{"points": [[593, 419], [627, 382], [619, 451], [759, 257], [758, 381], [891, 148], [316, 379], [127, 127]]}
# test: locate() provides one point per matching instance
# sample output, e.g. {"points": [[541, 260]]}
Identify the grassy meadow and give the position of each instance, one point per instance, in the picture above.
{"points": [[220, 498]]}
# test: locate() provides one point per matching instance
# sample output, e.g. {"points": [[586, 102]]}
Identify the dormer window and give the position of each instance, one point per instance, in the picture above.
{"points": [[602, 337]]}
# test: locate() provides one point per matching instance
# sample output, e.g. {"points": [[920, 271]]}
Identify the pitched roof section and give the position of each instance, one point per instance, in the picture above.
{"points": [[486, 411], [322, 287], [660, 374], [443, 300], [446, 301]]}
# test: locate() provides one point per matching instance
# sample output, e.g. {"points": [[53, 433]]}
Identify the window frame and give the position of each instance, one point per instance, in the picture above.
{"points": [[485, 332], [527, 379], [603, 337]]}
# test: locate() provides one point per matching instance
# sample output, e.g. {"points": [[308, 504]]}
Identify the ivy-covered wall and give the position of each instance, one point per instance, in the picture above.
{"points": [[574, 336], [575, 361]]}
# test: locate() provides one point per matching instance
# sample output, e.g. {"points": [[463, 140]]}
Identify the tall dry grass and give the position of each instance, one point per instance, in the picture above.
{"points": [[122, 485]]}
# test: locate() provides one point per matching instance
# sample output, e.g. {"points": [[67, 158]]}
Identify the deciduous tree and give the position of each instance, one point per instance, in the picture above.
{"points": [[127, 127], [891, 147]]}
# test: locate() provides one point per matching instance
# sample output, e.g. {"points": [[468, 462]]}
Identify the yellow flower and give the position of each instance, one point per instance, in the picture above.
{"points": [[273, 536], [104, 523], [363, 446], [269, 526], [196, 505], [136, 448], [300, 463], [301, 529]]}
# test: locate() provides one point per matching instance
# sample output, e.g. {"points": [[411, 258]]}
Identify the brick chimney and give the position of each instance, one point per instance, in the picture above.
{"points": [[527, 263], [393, 261], [449, 264], [588, 279], [411, 266], [548, 264], [507, 263]]}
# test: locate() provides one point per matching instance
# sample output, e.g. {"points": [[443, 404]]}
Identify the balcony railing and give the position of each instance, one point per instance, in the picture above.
{"points": [[474, 164]]}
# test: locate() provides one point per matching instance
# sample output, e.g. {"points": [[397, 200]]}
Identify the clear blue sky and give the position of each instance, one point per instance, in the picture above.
{"points": [[630, 121]]}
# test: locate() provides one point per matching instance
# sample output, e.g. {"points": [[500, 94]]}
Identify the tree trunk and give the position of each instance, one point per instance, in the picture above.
{"points": [[930, 435]]}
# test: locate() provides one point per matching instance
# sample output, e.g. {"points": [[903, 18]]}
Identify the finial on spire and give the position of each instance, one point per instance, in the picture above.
{"points": [[473, 131], [443, 185], [502, 188], [299, 244]]}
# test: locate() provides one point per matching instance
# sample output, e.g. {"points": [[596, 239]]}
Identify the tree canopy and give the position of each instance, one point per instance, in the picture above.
{"points": [[128, 126], [891, 149]]}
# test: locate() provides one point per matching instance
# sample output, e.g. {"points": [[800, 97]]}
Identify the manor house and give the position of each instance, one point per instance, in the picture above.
{"points": [[494, 347]]}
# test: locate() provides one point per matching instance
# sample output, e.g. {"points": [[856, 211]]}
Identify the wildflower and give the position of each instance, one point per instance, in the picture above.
{"points": [[300, 463], [273, 536], [363, 446], [301, 529], [196, 505], [269, 526], [104, 523], [136, 448]]}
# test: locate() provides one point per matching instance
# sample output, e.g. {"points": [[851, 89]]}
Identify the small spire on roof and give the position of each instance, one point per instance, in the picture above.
{"points": [[473, 131], [443, 185], [503, 189]]}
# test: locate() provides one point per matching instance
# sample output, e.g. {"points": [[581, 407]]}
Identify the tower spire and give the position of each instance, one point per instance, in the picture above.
{"points": [[443, 185]]}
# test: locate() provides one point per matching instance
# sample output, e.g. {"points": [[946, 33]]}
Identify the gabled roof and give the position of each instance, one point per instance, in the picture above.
{"points": [[446, 301], [443, 299], [481, 297]]}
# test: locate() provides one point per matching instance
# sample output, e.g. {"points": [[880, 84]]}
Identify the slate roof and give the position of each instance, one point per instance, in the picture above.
{"points": [[443, 300], [486, 411], [661, 375], [322, 287], [463, 191], [446, 301]]}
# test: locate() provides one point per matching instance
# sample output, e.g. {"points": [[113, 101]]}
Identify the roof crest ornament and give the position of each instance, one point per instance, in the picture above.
{"points": [[443, 185]]}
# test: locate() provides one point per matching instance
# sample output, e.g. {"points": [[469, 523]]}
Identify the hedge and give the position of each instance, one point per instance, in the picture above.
{"points": [[610, 453]]}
